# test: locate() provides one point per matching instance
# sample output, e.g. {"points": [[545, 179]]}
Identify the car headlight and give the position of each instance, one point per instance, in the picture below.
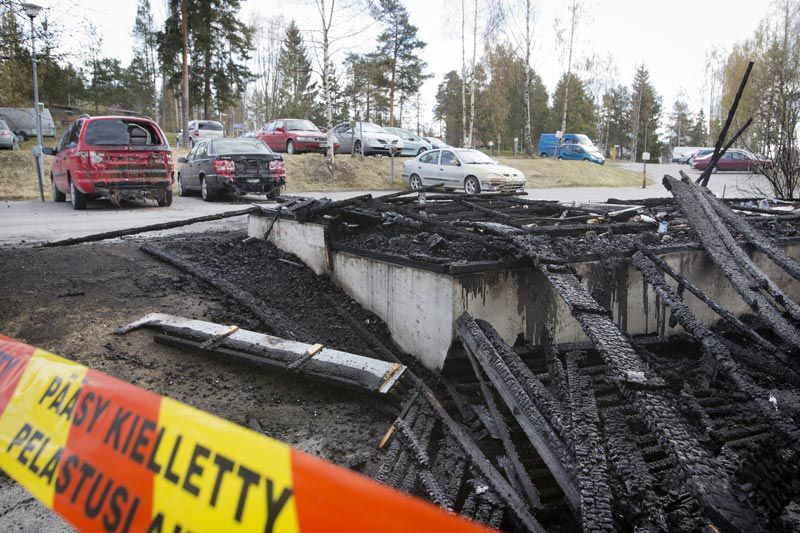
{"points": [[495, 178]]}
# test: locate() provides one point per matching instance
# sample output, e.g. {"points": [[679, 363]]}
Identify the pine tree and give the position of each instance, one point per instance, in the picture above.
{"points": [[581, 117], [448, 107], [401, 48], [680, 124], [145, 36], [295, 89], [645, 115], [698, 135]]}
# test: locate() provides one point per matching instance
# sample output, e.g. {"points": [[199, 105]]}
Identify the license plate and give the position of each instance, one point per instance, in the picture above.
{"points": [[253, 181]]}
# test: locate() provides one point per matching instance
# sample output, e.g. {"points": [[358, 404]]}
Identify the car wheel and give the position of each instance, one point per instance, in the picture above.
{"points": [[58, 196], [23, 135], [205, 192], [544, 155], [15, 144], [715, 169], [422, 151], [290, 147], [357, 147], [472, 185], [77, 197], [166, 200], [182, 190], [275, 192], [415, 182], [560, 158]]}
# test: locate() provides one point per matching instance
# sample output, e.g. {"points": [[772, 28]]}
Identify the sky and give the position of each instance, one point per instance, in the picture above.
{"points": [[670, 38]]}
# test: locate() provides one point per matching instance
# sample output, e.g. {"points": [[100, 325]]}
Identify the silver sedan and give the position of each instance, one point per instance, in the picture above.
{"points": [[7, 137], [455, 168]]}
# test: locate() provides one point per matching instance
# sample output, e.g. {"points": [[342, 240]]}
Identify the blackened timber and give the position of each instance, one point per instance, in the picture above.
{"points": [[746, 278], [272, 319], [755, 237], [514, 461], [734, 322], [152, 227], [714, 347], [498, 483], [535, 426], [592, 469]]}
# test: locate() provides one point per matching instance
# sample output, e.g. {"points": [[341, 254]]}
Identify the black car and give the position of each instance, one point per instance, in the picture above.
{"points": [[240, 166]]}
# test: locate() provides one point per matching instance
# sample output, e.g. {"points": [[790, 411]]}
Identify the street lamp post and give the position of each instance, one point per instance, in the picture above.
{"points": [[31, 10]]}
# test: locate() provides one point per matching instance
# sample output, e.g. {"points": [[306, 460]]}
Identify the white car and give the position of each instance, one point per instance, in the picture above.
{"points": [[376, 139], [200, 130], [455, 168]]}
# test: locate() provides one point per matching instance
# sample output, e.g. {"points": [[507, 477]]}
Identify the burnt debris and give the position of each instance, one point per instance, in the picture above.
{"points": [[620, 432]]}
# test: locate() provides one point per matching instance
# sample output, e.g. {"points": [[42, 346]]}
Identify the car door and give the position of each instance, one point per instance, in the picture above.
{"points": [[57, 166], [71, 163], [267, 135], [725, 162], [187, 169], [426, 167], [279, 136], [450, 169], [345, 135], [200, 162]]}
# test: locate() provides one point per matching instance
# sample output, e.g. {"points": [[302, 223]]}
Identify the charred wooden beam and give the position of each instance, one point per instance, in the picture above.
{"points": [[536, 427], [152, 227]]}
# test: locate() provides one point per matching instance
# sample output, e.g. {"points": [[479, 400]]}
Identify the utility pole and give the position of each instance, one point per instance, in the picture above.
{"points": [[31, 10]]}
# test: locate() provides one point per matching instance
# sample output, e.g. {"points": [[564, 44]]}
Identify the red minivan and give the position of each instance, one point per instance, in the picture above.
{"points": [[119, 158], [294, 136]]}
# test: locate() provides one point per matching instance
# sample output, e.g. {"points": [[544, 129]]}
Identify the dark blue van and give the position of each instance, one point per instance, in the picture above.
{"points": [[548, 142]]}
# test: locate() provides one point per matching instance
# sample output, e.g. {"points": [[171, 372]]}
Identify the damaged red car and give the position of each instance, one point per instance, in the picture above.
{"points": [[118, 158]]}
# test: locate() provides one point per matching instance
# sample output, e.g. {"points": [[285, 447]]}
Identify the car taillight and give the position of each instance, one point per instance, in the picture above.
{"points": [[277, 166], [225, 167], [196, 133], [95, 158]]}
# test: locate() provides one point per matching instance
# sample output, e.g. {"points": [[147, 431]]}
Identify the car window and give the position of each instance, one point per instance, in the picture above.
{"points": [[278, 124], [240, 146], [74, 134], [270, 126], [192, 152], [62, 142], [429, 158], [449, 158], [210, 125], [202, 150], [122, 132], [3, 125], [300, 125]]}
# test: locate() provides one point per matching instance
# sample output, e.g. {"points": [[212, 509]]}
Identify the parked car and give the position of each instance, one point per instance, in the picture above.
{"points": [[240, 166], [549, 143], [413, 144], [119, 158], [8, 138], [455, 168], [22, 122], [698, 154], [733, 160], [579, 152], [294, 136], [436, 143], [248, 135], [205, 129], [681, 154], [375, 139]]}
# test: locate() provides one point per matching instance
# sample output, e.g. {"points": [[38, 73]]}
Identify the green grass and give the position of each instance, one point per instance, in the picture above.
{"points": [[308, 172]]}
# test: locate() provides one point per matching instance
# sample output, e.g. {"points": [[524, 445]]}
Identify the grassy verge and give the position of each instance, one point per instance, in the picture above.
{"points": [[308, 172]]}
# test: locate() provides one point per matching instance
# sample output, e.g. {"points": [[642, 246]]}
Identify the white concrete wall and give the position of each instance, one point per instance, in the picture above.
{"points": [[306, 241], [421, 307]]}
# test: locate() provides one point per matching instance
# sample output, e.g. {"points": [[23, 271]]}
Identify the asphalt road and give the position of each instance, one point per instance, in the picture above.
{"points": [[31, 221]]}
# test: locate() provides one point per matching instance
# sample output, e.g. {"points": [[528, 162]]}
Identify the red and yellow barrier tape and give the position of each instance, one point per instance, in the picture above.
{"points": [[109, 456]]}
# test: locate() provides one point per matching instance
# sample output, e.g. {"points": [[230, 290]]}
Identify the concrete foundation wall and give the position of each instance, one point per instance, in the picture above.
{"points": [[421, 307]]}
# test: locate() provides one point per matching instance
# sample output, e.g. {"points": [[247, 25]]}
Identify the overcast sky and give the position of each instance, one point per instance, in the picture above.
{"points": [[670, 38]]}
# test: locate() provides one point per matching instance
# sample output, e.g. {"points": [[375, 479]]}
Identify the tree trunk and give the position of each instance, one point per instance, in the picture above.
{"points": [[185, 71], [326, 86], [528, 136], [207, 85], [472, 77], [574, 9], [464, 133]]}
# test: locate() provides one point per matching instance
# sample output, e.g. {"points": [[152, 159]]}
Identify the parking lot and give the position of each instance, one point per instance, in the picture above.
{"points": [[29, 221]]}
